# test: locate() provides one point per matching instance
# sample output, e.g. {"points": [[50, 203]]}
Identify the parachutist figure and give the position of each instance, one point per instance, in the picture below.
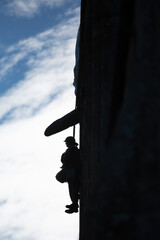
{"points": [[71, 165]]}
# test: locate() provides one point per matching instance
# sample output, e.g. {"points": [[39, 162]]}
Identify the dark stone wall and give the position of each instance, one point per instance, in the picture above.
{"points": [[118, 98]]}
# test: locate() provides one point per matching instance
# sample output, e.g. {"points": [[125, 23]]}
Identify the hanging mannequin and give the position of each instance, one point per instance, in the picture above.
{"points": [[71, 165]]}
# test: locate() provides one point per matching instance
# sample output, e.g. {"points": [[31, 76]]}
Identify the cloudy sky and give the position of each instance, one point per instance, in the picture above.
{"points": [[37, 46]]}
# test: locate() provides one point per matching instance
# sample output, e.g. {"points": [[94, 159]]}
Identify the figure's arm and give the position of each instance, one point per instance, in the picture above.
{"points": [[65, 158]]}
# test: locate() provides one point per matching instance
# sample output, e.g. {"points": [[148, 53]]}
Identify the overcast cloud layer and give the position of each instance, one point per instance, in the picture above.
{"points": [[31, 201]]}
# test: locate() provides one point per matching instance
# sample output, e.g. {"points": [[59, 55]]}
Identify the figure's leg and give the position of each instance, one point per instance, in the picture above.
{"points": [[73, 186], [74, 191]]}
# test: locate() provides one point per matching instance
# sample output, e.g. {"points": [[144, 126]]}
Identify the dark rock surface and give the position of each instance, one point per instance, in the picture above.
{"points": [[118, 96]]}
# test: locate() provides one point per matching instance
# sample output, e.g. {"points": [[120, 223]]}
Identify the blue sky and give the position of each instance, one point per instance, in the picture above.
{"points": [[37, 46]]}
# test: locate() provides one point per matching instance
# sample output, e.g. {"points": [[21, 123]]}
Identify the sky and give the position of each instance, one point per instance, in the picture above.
{"points": [[37, 48]]}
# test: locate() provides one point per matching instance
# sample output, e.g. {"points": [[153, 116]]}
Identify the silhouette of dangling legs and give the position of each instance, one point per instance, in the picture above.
{"points": [[74, 191]]}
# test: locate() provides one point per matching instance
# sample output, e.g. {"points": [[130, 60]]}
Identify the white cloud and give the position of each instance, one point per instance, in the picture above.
{"points": [[28, 8], [31, 201], [49, 58], [29, 161]]}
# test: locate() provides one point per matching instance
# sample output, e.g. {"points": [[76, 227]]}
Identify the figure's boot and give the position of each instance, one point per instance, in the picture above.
{"points": [[72, 205], [73, 208]]}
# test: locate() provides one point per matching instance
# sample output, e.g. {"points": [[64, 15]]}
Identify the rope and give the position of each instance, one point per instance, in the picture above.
{"points": [[74, 127], [74, 130]]}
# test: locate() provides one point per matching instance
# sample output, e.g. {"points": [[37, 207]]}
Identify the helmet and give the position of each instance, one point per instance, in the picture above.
{"points": [[71, 140]]}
